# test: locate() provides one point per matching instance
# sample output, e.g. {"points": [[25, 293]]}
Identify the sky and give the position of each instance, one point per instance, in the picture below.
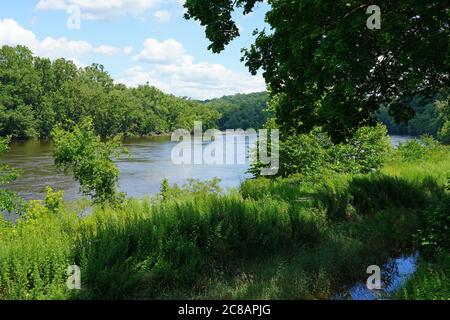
{"points": [[138, 41]]}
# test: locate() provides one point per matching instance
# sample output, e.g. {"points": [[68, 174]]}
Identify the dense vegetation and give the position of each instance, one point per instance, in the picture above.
{"points": [[8, 200], [431, 119], [241, 111], [36, 94], [344, 199], [328, 69], [308, 236], [90, 160]]}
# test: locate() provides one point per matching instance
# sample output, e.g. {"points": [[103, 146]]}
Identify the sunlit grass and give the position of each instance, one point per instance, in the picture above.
{"points": [[296, 238]]}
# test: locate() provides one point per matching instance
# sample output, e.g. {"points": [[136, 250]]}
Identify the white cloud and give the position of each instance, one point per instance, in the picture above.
{"points": [[103, 9], [128, 50], [172, 70], [163, 16], [11, 33], [51, 5], [107, 50], [167, 51]]}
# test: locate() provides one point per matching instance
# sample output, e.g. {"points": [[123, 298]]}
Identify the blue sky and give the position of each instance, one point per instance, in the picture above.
{"points": [[138, 41]]}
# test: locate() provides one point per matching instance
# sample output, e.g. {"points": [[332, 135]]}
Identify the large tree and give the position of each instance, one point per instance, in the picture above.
{"points": [[328, 68]]}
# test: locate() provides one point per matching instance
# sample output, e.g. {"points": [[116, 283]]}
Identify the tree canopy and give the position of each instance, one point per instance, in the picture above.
{"points": [[328, 68], [241, 111], [36, 94]]}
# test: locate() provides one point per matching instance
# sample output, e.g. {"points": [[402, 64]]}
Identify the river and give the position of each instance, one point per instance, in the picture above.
{"points": [[140, 174]]}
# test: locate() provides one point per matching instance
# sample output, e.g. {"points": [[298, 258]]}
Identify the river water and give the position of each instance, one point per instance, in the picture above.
{"points": [[140, 174]]}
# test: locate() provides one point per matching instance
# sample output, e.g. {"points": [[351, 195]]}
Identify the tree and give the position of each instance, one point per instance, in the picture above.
{"points": [[20, 91], [443, 107], [328, 68], [79, 149], [241, 111], [9, 201]]}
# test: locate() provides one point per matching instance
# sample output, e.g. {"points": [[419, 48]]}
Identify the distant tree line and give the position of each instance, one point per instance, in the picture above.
{"points": [[431, 118], [241, 111], [36, 94]]}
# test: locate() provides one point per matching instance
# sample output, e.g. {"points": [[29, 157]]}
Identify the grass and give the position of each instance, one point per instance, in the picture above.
{"points": [[431, 282], [296, 238]]}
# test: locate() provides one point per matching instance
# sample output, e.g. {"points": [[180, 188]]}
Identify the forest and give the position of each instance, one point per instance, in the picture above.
{"points": [[36, 94], [241, 111]]}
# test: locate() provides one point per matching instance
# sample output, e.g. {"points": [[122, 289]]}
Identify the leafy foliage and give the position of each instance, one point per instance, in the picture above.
{"points": [[315, 153], [330, 69], [192, 187], [420, 149], [82, 151], [241, 111], [37, 94], [430, 119], [9, 201]]}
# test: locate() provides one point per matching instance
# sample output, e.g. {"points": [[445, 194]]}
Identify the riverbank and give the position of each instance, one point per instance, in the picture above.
{"points": [[296, 238]]}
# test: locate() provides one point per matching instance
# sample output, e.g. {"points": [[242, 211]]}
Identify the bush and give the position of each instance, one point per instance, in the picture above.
{"points": [[305, 154], [82, 151], [365, 152], [191, 188], [421, 149], [444, 133], [434, 238], [9, 201], [314, 153]]}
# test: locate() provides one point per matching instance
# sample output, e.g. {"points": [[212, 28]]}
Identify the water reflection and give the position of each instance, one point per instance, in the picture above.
{"points": [[394, 275]]}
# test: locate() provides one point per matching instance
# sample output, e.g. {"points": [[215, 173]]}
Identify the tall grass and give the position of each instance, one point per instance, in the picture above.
{"points": [[290, 238], [431, 282]]}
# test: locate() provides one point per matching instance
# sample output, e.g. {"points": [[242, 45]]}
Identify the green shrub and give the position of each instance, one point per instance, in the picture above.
{"points": [[9, 201], [430, 282], [434, 238], [191, 188], [34, 256], [444, 133], [81, 150], [314, 153], [53, 200], [305, 154], [415, 150], [365, 152]]}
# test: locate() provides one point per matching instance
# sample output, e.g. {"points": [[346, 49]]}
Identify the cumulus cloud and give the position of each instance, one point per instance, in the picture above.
{"points": [[103, 9], [163, 16], [11, 33], [167, 51], [128, 50], [166, 65]]}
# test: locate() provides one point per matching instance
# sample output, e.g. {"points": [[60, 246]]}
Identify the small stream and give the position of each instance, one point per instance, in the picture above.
{"points": [[395, 273]]}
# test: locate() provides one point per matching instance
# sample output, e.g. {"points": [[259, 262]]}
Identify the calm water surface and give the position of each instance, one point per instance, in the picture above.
{"points": [[395, 273], [141, 174]]}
